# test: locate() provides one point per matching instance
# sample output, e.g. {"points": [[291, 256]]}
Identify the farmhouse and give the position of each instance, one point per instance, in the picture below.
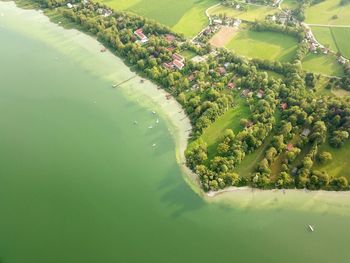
{"points": [[305, 132], [139, 33], [178, 57], [217, 21], [260, 94], [231, 85]]}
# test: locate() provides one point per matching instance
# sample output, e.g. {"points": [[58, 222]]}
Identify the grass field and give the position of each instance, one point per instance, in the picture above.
{"points": [[290, 4], [339, 166], [323, 64], [253, 13], [230, 120], [342, 39], [337, 38], [323, 12], [188, 54], [264, 45], [324, 36], [183, 16]]}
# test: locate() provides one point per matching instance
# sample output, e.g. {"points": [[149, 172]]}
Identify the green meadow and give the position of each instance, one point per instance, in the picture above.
{"points": [[337, 38], [290, 4], [264, 45], [251, 14], [323, 64], [230, 120], [328, 12], [183, 16], [339, 165]]}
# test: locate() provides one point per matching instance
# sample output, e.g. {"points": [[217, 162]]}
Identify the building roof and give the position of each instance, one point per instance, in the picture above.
{"points": [[289, 147], [139, 33], [178, 57], [169, 38], [178, 64]]}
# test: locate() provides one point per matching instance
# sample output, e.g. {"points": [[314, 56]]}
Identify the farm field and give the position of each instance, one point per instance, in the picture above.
{"points": [[183, 16], [336, 37], [323, 13], [339, 165], [342, 39], [323, 64], [253, 13], [264, 45], [221, 38]]}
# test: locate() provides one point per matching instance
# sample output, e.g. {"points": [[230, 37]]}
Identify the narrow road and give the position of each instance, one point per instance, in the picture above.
{"points": [[324, 25]]}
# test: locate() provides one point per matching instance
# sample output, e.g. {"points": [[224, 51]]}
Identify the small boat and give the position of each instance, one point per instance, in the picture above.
{"points": [[311, 228], [154, 145], [157, 121], [114, 85], [150, 127], [153, 112]]}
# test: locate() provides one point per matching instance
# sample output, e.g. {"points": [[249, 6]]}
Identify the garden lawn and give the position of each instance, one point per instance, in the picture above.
{"points": [[230, 120], [339, 166], [323, 12], [290, 4], [251, 14], [264, 45], [183, 16], [323, 64]]}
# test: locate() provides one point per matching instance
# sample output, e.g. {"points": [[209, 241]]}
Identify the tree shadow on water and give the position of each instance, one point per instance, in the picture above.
{"points": [[176, 193]]}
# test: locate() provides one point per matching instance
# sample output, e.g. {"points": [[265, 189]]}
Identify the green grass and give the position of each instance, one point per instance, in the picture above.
{"points": [[323, 64], [324, 36], [323, 12], [251, 14], [183, 16], [290, 4], [335, 37], [230, 120], [342, 39], [188, 54], [339, 166], [264, 45]]}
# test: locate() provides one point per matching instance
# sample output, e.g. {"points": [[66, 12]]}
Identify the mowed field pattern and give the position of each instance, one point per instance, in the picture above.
{"points": [[264, 45], [183, 16]]}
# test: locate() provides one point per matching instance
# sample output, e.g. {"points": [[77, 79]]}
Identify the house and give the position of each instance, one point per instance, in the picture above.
{"points": [[139, 33], [222, 70], [305, 132], [169, 66], [284, 106], [237, 22], [231, 85], [69, 5], [191, 77], [342, 60], [170, 49], [260, 94], [217, 21], [289, 147], [170, 38], [178, 64], [245, 92], [312, 47], [178, 57]]}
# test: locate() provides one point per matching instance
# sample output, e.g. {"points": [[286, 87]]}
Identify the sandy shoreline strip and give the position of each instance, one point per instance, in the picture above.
{"points": [[149, 95]]}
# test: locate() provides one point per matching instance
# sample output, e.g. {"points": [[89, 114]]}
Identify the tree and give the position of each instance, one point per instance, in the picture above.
{"points": [[324, 157]]}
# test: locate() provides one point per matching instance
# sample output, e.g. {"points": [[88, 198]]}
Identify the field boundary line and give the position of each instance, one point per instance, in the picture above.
{"points": [[324, 25]]}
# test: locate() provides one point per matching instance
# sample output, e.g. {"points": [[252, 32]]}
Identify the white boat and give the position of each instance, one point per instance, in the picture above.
{"points": [[154, 145], [150, 127], [114, 85], [157, 121], [153, 112], [311, 228], [135, 122]]}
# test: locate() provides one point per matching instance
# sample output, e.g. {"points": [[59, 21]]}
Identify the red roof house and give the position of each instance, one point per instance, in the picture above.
{"points": [[178, 64], [178, 57]]}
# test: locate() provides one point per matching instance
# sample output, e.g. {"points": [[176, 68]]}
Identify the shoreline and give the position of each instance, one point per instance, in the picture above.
{"points": [[150, 96]]}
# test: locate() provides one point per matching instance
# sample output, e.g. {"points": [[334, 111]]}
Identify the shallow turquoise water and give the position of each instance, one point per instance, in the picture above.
{"points": [[79, 182]]}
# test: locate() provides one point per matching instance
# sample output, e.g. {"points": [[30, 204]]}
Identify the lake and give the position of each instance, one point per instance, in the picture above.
{"points": [[80, 182]]}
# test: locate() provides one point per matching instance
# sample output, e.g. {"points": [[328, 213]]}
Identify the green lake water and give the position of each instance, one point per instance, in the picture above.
{"points": [[79, 182]]}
